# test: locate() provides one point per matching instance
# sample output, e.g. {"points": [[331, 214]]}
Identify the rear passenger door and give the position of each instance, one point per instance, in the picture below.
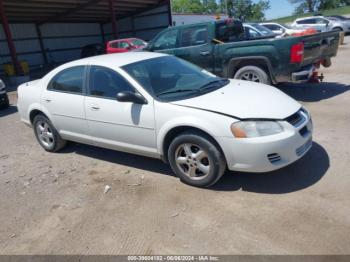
{"points": [[64, 100], [195, 46]]}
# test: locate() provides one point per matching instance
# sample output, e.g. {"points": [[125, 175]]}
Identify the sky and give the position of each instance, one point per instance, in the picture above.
{"points": [[279, 8]]}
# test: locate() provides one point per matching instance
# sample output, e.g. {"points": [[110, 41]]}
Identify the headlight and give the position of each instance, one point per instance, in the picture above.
{"points": [[248, 129]]}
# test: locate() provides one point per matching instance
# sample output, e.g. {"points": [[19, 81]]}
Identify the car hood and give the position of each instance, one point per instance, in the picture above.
{"points": [[245, 100]]}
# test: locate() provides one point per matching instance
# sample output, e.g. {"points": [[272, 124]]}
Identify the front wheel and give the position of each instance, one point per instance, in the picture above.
{"points": [[254, 74], [47, 135], [196, 160]]}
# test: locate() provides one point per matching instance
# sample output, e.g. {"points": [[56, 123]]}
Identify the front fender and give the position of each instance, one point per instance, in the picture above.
{"points": [[202, 124]]}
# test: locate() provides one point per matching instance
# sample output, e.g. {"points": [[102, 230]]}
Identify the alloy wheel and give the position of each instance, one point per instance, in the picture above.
{"points": [[192, 161], [45, 134]]}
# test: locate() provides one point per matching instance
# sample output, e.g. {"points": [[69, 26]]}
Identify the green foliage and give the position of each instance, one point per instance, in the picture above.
{"points": [[246, 10], [338, 11], [243, 9], [317, 5], [187, 6]]}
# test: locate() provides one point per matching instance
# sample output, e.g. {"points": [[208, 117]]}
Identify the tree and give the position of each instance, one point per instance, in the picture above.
{"points": [[187, 6], [305, 5], [246, 10], [317, 5]]}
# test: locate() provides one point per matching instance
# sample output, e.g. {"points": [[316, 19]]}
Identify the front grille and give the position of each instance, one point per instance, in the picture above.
{"points": [[296, 119], [304, 148], [274, 158]]}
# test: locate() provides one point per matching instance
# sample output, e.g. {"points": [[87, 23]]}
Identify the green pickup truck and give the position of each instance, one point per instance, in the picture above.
{"points": [[221, 48]]}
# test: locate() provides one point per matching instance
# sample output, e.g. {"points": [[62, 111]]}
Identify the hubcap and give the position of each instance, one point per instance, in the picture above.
{"points": [[45, 134], [250, 76], [192, 161]]}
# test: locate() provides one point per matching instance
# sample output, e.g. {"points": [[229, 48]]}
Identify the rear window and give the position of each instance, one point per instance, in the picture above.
{"points": [[194, 36], [70, 80], [229, 30]]}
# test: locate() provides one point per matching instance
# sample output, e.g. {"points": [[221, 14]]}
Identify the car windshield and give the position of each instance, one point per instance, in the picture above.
{"points": [[286, 26], [138, 42], [168, 78], [262, 29]]}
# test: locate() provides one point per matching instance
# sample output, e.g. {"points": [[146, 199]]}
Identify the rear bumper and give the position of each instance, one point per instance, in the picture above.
{"points": [[304, 75]]}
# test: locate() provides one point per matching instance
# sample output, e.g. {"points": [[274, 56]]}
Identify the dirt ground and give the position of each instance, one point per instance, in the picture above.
{"points": [[55, 203]]}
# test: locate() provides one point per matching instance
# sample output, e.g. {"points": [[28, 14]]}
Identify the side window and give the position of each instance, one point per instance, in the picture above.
{"points": [[123, 45], [107, 83], [114, 44], [194, 36], [252, 33], [69, 80], [307, 21], [273, 27], [167, 40], [321, 21]]}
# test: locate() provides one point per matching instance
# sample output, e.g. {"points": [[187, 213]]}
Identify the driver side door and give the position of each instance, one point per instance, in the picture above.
{"points": [[124, 126]]}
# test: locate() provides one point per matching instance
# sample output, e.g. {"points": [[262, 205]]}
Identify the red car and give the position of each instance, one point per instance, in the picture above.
{"points": [[124, 45]]}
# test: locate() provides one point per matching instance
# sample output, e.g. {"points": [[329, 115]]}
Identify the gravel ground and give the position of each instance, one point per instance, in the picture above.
{"points": [[55, 203]]}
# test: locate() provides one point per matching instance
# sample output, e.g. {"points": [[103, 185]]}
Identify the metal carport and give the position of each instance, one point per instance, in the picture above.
{"points": [[43, 31]]}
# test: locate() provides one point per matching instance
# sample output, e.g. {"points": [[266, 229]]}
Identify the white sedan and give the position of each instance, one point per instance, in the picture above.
{"points": [[161, 106]]}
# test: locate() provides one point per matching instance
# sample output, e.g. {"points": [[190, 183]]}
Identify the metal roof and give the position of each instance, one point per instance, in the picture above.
{"points": [[44, 11]]}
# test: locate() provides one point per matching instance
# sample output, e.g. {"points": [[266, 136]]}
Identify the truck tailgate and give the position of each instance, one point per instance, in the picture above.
{"points": [[320, 46]]}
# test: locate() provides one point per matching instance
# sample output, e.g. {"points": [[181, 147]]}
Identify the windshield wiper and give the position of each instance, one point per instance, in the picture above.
{"points": [[177, 91], [214, 84]]}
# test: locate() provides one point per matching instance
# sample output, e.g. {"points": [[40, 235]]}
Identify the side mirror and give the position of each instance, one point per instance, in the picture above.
{"points": [[128, 96]]}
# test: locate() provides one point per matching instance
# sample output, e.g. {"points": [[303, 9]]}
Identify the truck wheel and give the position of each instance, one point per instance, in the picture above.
{"points": [[196, 160], [253, 73]]}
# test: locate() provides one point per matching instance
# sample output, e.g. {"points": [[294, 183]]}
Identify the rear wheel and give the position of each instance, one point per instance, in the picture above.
{"points": [[339, 29], [196, 160], [47, 135], [253, 73]]}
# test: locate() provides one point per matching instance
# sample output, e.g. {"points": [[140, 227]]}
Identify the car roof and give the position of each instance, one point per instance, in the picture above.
{"points": [[115, 60], [310, 17], [124, 39]]}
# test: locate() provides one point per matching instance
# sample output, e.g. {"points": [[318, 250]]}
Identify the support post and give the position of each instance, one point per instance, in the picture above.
{"points": [[133, 26], [114, 23], [41, 43], [9, 39], [170, 17], [102, 33]]}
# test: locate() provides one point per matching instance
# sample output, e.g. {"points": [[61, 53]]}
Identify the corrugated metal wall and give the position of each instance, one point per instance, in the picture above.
{"points": [[144, 25], [63, 41]]}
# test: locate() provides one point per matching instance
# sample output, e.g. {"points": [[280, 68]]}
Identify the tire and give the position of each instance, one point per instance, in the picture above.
{"points": [[207, 167], [6, 104], [253, 73], [50, 140], [339, 29]]}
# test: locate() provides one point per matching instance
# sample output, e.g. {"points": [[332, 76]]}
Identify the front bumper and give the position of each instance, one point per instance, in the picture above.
{"points": [[303, 76], [265, 154]]}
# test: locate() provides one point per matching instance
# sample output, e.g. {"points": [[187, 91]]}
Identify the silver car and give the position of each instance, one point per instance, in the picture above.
{"points": [[322, 24]]}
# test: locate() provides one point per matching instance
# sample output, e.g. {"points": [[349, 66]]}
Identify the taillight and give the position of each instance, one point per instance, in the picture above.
{"points": [[297, 53]]}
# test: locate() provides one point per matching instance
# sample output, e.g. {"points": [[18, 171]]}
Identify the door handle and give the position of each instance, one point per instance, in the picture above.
{"points": [[95, 107], [205, 53]]}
